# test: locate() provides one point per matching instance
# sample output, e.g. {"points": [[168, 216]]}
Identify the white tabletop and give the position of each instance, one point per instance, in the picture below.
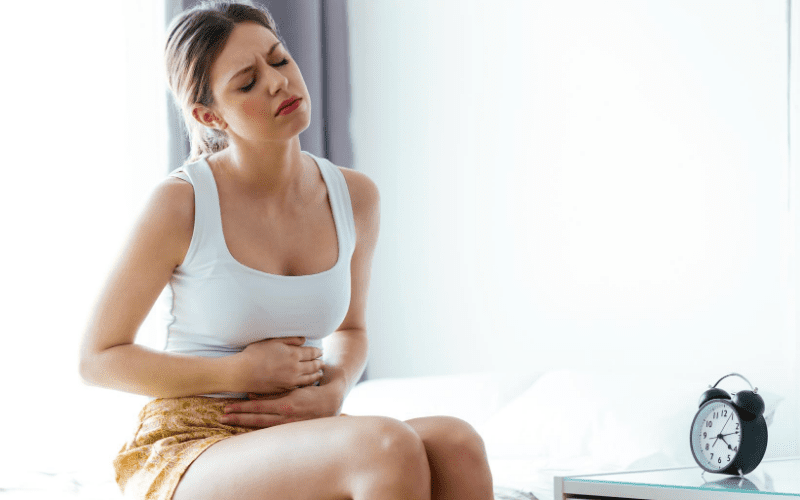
{"points": [[777, 477]]}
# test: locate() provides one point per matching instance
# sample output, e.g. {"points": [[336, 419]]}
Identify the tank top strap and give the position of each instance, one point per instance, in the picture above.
{"points": [[339, 197], [207, 236]]}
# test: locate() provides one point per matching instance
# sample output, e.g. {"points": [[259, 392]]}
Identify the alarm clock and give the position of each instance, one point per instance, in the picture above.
{"points": [[729, 433]]}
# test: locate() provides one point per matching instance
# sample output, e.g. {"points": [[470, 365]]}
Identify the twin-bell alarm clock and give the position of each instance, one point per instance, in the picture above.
{"points": [[729, 433]]}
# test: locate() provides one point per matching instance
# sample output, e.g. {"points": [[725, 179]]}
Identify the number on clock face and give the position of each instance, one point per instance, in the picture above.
{"points": [[716, 435]]}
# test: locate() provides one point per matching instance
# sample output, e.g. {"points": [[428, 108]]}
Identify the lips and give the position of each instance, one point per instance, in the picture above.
{"points": [[285, 104]]}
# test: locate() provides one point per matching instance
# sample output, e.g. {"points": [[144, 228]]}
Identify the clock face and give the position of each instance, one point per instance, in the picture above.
{"points": [[716, 435]]}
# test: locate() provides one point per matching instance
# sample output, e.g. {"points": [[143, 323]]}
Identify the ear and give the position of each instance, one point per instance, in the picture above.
{"points": [[207, 117]]}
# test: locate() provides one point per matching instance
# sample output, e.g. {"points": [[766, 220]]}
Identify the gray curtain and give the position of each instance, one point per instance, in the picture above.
{"points": [[315, 32]]}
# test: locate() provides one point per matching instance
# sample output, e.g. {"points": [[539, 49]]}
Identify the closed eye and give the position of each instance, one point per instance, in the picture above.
{"points": [[250, 85]]}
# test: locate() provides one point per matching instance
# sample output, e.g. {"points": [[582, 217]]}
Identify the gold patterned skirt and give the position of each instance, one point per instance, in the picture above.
{"points": [[172, 433]]}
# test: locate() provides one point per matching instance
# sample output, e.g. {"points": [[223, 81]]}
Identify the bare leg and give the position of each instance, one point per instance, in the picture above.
{"points": [[336, 458], [457, 458]]}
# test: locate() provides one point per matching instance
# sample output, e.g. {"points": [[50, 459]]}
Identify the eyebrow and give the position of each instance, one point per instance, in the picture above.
{"points": [[252, 66]]}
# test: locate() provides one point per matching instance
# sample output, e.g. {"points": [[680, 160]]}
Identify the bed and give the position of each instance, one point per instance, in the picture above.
{"points": [[535, 425]]}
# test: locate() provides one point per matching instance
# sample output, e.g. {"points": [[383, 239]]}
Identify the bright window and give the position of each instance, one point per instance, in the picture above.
{"points": [[85, 130]]}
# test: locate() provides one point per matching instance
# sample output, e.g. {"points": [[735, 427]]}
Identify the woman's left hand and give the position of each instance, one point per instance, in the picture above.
{"points": [[303, 403]]}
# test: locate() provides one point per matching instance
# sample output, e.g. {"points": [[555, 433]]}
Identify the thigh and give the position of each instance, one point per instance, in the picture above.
{"points": [[312, 459]]}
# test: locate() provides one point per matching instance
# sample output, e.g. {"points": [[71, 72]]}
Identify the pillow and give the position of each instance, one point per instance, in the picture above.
{"points": [[473, 397], [614, 417]]}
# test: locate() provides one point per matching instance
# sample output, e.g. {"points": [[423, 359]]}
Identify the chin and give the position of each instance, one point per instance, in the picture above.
{"points": [[300, 124]]}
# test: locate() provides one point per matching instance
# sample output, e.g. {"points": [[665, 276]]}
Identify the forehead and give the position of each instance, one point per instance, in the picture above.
{"points": [[245, 41]]}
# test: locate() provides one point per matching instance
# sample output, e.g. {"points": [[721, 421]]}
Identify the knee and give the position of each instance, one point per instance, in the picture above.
{"points": [[457, 438], [393, 461], [396, 443]]}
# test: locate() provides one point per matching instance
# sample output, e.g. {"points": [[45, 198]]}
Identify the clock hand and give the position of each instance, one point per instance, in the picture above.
{"points": [[720, 431], [726, 423]]}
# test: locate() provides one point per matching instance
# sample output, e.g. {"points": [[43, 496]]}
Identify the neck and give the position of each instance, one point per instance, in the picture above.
{"points": [[275, 170]]}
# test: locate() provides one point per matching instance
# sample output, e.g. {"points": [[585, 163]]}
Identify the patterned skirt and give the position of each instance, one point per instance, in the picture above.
{"points": [[172, 433]]}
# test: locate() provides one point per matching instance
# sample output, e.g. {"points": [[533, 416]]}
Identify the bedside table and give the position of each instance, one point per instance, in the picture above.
{"points": [[777, 478]]}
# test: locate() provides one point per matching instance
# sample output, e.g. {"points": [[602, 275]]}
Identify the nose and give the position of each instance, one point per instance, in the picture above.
{"points": [[276, 80]]}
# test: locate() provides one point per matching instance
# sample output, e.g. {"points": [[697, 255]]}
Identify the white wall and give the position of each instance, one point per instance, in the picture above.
{"points": [[567, 183]]}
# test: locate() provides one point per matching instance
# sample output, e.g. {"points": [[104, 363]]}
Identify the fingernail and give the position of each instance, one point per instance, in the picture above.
{"points": [[224, 420]]}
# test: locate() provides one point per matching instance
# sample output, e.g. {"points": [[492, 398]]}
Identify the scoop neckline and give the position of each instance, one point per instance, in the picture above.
{"points": [[230, 256]]}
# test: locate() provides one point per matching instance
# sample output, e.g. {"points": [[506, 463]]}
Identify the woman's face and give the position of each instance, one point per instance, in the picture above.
{"points": [[251, 81]]}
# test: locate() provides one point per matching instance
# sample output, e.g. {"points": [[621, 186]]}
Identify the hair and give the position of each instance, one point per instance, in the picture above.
{"points": [[195, 39]]}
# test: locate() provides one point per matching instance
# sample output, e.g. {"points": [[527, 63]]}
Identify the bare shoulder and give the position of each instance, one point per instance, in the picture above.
{"points": [[364, 194], [173, 198], [168, 217]]}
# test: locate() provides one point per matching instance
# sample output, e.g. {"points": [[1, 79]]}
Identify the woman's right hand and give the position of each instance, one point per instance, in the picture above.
{"points": [[278, 365]]}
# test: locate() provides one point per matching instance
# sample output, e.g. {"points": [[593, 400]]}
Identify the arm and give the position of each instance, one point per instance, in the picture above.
{"points": [[108, 355], [345, 353], [345, 358]]}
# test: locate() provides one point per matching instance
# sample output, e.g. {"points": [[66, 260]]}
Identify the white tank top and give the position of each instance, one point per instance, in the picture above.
{"points": [[216, 306]]}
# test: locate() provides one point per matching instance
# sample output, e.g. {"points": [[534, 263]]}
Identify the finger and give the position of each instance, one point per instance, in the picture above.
{"points": [[311, 367], [254, 420], [268, 395], [310, 378], [308, 353], [249, 406], [292, 340]]}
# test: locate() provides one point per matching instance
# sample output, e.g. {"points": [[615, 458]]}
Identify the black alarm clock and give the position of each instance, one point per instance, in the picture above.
{"points": [[729, 433]]}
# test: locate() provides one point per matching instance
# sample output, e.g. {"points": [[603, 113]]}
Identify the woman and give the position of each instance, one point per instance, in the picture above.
{"points": [[263, 250]]}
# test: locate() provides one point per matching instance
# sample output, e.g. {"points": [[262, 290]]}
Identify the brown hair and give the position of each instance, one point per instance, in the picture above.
{"points": [[195, 39]]}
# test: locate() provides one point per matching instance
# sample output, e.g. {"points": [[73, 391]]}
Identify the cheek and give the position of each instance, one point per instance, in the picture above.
{"points": [[253, 107]]}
